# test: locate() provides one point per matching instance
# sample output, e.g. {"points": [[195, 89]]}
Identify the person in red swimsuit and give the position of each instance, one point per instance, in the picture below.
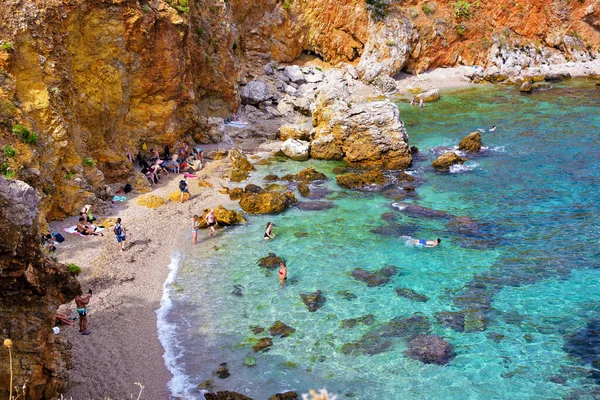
{"points": [[282, 273]]}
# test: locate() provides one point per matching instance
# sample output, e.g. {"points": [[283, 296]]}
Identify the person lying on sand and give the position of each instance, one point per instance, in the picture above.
{"points": [[86, 228]]}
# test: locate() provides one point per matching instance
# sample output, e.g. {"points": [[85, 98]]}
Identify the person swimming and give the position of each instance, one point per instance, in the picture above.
{"points": [[268, 231], [426, 243]]}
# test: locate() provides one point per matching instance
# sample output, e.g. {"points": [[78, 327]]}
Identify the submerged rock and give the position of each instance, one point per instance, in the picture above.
{"points": [[313, 301], [451, 319], [417, 211], [347, 295], [356, 181], [315, 205], [411, 295], [226, 395], [281, 329], [430, 349], [271, 261], [377, 278], [262, 344], [446, 160], [222, 372], [285, 396], [368, 319], [471, 143]]}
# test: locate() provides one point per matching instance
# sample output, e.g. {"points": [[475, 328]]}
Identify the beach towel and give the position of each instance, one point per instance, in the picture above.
{"points": [[73, 230], [119, 198], [190, 176], [237, 124]]}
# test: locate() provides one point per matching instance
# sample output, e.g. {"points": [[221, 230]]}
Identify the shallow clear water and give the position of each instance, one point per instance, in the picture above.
{"points": [[519, 252]]}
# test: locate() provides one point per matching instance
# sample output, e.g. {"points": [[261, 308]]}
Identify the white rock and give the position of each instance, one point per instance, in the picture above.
{"points": [[294, 73], [296, 149]]}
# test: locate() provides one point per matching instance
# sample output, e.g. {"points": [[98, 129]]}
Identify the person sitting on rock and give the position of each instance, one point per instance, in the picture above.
{"points": [[173, 163]]}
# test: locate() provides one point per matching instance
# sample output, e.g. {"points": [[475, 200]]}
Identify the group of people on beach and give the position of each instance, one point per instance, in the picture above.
{"points": [[185, 159], [211, 221]]}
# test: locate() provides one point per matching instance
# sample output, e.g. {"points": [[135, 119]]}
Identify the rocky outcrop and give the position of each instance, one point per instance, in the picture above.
{"points": [[362, 180], [367, 135], [226, 395], [223, 216], [32, 286], [471, 142], [430, 349], [240, 166], [307, 175], [288, 131], [446, 160], [266, 202], [296, 149]]}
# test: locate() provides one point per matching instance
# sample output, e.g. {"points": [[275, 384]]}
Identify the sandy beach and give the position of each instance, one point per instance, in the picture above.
{"points": [[127, 287]]}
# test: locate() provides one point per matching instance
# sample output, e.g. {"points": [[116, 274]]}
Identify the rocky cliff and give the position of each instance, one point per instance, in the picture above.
{"points": [[93, 79], [31, 288]]}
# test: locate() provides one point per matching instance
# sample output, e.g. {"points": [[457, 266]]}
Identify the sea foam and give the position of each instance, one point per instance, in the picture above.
{"points": [[179, 385]]}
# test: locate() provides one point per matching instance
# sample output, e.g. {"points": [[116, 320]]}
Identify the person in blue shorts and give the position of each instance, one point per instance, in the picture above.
{"points": [[119, 231], [426, 243], [81, 302]]}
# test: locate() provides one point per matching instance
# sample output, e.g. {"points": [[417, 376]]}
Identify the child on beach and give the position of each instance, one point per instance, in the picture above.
{"points": [[195, 227]]}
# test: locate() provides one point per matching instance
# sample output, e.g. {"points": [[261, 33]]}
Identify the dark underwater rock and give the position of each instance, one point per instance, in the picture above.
{"points": [[271, 261], [430, 349], [285, 396], [262, 344], [451, 319], [377, 278], [222, 372], [226, 395], [281, 329], [313, 301], [411, 295], [315, 205], [238, 290], [347, 295], [318, 192], [368, 319], [416, 211]]}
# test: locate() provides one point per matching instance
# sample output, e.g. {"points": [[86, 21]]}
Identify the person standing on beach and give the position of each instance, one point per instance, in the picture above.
{"points": [[268, 231], [282, 273], [183, 187], [81, 302], [120, 232], [211, 220], [195, 226]]}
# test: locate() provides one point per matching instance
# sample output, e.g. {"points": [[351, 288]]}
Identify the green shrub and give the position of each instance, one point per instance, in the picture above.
{"points": [[184, 3], [10, 174], [7, 112], [460, 29], [88, 162], [428, 9], [146, 8], [69, 175], [25, 135], [199, 31], [7, 47], [74, 269], [9, 151], [286, 5], [461, 9], [377, 8], [182, 9]]}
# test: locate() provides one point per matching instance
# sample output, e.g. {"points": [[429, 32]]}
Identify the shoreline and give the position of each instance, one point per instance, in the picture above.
{"points": [[129, 288]]}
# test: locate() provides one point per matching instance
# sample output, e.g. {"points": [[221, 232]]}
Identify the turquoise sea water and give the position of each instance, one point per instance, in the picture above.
{"points": [[518, 261]]}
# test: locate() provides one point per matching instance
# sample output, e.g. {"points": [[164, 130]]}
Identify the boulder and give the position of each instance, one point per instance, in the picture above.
{"points": [[271, 261], [313, 301], [140, 183], [176, 197], [285, 396], [357, 181], [404, 177], [368, 319], [557, 76], [293, 132], [310, 175], [429, 96], [236, 193], [541, 86], [430, 349], [223, 216], [315, 76], [239, 160], [296, 149], [377, 278], [238, 175], [255, 92], [222, 372], [315, 205], [294, 74], [271, 178], [262, 344], [411, 295], [303, 189], [526, 87], [281, 329], [252, 188], [153, 201], [204, 183], [446, 160], [226, 395], [471, 142], [365, 135], [266, 203]]}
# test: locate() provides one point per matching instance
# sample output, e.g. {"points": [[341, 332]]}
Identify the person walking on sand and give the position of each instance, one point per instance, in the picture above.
{"points": [[268, 231], [120, 232], [282, 273], [426, 243], [183, 187], [195, 227], [211, 220], [81, 302]]}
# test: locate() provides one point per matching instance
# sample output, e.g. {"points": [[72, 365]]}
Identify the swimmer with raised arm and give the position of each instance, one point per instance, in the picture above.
{"points": [[426, 243]]}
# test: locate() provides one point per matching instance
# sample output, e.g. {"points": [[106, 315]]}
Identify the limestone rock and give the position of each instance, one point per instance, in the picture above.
{"points": [[429, 96], [32, 286], [355, 181], [266, 203], [307, 175], [296, 149], [223, 216], [430, 349], [471, 143], [239, 160], [285, 396], [313, 301], [152, 201], [446, 160], [236, 193], [176, 197], [293, 132], [255, 92], [368, 135], [303, 189], [294, 74], [526, 87]]}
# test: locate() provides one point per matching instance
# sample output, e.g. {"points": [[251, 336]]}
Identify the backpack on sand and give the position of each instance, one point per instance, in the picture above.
{"points": [[182, 185], [118, 230]]}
